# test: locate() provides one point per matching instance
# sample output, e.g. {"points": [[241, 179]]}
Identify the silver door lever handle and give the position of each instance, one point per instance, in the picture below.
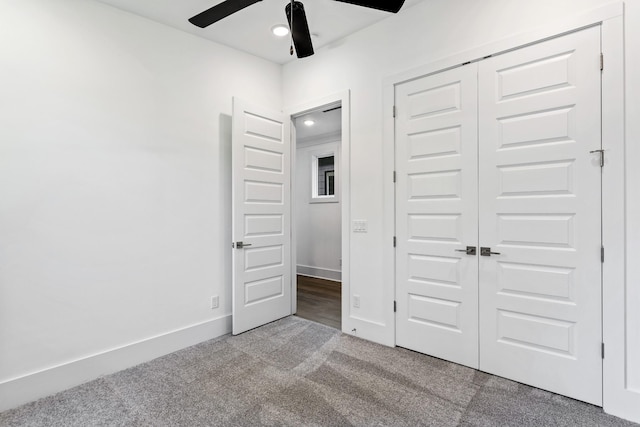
{"points": [[487, 252], [240, 245], [470, 250]]}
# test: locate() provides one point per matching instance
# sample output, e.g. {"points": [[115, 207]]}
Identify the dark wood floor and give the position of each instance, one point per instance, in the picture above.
{"points": [[320, 300]]}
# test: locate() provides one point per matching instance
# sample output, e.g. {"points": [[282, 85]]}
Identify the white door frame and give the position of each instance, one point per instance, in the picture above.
{"points": [[343, 98], [617, 398]]}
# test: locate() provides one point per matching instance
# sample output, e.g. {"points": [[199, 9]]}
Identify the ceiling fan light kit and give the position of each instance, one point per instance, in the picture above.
{"points": [[280, 30], [296, 17]]}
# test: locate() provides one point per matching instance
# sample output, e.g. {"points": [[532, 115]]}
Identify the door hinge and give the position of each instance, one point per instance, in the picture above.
{"points": [[394, 241], [394, 176], [601, 253], [601, 61], [394, 111], [395, 307], [602, 350]]}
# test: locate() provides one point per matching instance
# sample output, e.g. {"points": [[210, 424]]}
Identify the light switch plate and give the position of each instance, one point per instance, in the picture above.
{"points": [[360, 226]]}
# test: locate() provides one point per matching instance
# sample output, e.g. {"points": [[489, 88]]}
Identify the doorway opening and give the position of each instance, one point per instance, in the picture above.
{"points": [[317, 212]]}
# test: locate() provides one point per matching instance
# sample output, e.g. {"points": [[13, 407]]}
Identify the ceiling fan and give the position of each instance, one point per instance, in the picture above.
{"points": [[296, 18]]}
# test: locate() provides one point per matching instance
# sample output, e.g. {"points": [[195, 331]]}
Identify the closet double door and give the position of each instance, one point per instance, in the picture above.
{"points": [[498, 215]]}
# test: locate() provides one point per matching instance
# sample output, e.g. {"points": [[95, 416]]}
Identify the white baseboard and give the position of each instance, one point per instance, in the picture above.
{"points": [[370, 330], [321, 273], [21, 390]]}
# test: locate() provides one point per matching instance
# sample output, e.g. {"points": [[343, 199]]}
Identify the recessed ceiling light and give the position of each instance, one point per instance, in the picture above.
{"points": [[280, 30], [309, 122]]}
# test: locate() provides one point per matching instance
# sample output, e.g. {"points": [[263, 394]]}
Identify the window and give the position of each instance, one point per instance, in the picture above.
{"points": [[326, 170], [324, 182]]}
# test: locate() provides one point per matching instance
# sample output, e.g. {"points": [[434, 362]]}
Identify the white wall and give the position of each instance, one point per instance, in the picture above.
{"points": [[318, 225], [115, 188], [426, 33]]}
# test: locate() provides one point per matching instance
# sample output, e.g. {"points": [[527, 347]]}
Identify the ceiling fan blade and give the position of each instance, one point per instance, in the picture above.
{"points": [[220, 11], [387, 5], [300, 30]]}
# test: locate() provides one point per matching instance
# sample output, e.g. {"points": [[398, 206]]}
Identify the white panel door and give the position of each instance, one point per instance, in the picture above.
{"points": [[261, 216], [436, 215], [540, 297]]}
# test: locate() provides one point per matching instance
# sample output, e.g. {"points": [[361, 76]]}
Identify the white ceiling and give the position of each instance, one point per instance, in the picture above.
{"points": [[249, 30], [325, 124]]}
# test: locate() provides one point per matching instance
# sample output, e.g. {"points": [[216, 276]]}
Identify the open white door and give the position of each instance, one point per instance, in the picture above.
{"points": [[261, 216]]}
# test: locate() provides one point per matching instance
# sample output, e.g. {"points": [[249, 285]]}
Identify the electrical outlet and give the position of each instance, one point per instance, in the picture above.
{"points": [[215, 302], [356, 301]]}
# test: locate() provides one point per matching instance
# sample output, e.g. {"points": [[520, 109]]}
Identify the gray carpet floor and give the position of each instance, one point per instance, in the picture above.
{"points": [[294, 372]]}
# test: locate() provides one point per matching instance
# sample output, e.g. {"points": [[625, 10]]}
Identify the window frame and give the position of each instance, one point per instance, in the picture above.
{"points": [[314, 156]]}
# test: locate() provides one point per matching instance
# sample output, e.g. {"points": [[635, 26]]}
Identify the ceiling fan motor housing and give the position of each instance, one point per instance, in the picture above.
{"points": [[299, 29]]}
